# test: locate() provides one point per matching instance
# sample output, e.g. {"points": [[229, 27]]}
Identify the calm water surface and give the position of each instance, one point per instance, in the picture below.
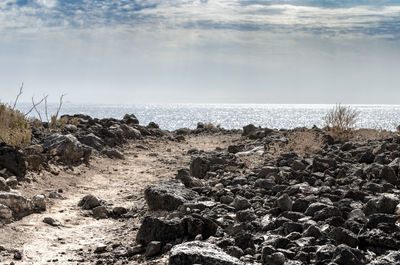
{"points": [[174, 116]]}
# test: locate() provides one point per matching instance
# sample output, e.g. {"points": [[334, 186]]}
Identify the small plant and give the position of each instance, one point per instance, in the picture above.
{"points": [[14, 127], [75, 121], [340, 121]]}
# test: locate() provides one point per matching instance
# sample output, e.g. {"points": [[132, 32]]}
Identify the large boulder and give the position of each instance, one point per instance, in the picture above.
{"points": [[197, 252], [19, 205], [12, 160], [92, 141], [168, 195], [199, 167], [160, 229], [67, 148], [130, 119]]}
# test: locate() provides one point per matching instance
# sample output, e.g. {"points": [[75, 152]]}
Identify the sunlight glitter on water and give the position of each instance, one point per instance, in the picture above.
{"points": [[230, 116]]}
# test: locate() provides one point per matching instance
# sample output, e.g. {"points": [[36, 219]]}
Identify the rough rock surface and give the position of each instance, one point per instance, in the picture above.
{"points": [[67, 148], [12, 160], [168, 195], [197, 252]]}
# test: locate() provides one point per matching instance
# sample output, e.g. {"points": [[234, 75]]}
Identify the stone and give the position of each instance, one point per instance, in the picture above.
{"points": [[130, 119], [67, 148], [264, 184], [51, 221], [89, 202], [326, 213], [3, 185], [312, 231], [321, 164], [276, 258], [100, 248], [113, 153], [18, 204], [130, 133], [187, 180], [384, 204], [367, 157], [249, 129], [39, 203], [12, 182], [153, 248], [199, 225], [378, 238], [325, 252], [284, 202], [5, 213], [345, 255], [119, 211], [160, 229], [241, 203], [199, 167], [12, 160], [92, 140], [387, 173], [197, 252], [168, 195], [343, 236], [100, 212]]}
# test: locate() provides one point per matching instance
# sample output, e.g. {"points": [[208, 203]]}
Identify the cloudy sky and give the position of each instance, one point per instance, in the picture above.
{"points": [[202, 51]]}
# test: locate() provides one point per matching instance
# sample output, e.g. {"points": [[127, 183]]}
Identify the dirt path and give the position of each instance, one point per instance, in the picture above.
{"points": [[117, 182]]}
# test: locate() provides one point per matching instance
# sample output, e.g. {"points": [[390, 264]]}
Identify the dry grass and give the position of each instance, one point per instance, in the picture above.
{"points": [[340, 122], [14, 127], [371, 134], [303, 142]]}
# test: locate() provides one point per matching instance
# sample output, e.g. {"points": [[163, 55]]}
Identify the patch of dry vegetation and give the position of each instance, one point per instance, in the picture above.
{"points": [[371, 134], [305, 142], [340, 122], [14, 127]]}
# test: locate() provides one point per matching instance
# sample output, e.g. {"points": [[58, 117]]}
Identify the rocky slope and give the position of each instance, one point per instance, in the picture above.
{"points": [[239, 197]]}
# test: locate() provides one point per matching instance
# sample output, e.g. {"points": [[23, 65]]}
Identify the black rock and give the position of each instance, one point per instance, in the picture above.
{"points": [[13, 160], [168, 195], [160, 229]]}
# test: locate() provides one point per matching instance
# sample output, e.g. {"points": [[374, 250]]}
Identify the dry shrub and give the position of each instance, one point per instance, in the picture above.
{"points": [[75, 121], [14, 127], [371, 134], [304, 142], [340, 122]]}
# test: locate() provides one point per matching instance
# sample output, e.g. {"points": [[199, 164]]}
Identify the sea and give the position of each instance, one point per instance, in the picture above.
{"points": [[230, 116]]}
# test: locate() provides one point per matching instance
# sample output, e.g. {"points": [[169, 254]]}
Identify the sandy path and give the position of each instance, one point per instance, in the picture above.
{"points": [[118, 182]]}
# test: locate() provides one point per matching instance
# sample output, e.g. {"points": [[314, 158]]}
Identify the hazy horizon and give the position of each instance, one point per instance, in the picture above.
{"points": [[199, 51]]}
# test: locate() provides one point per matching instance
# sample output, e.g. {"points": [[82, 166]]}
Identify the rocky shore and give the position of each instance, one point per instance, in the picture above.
{"points": [[251, 196]]}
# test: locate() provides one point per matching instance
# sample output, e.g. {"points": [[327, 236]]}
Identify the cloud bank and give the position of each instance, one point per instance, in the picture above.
{"points": [[281, 51]]}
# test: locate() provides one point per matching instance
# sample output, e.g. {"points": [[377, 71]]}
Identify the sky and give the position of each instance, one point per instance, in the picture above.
{"points": [[201, 51]]}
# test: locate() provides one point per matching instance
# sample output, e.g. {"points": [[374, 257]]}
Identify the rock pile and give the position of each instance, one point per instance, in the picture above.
{"points": [[338, 206]]}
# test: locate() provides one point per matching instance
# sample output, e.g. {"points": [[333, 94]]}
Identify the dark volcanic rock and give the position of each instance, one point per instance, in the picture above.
{"points": [[67, 148], [92, 141], [168, 195], [89, 202], [199, 167], [197, 252], [12, 160], [160, 229]]}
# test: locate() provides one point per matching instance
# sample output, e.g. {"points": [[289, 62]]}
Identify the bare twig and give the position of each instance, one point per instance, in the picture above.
{"points": [[45, 109], [19, 94], [34, 105], [60, 105]]}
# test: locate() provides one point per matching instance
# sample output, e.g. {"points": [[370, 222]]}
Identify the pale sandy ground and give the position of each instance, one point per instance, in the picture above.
{"points": [[118, 182]]}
